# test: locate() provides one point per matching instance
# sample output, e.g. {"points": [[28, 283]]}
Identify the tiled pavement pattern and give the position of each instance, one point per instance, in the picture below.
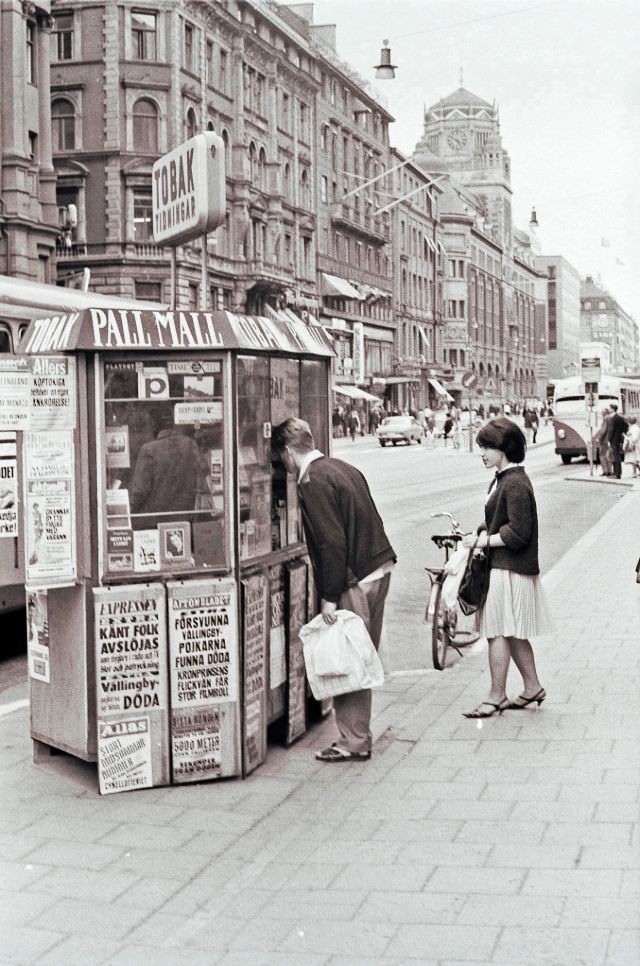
{"points": [[512, 841]]}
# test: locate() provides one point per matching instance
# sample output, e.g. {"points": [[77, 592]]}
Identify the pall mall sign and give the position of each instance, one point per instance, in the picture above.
{"points": [[189, 190]]}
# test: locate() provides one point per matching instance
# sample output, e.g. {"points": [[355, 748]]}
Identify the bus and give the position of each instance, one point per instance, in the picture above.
{"points": [[571, 414], [21, 301]]}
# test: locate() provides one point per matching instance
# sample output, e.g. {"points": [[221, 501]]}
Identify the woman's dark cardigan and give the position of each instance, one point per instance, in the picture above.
{"points": [[511, 511]]}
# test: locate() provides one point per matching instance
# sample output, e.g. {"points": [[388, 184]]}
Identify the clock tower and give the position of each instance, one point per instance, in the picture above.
{"points": [[463, 131]]}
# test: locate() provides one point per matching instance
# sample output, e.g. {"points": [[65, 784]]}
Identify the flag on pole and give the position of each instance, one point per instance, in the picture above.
{"points": [[605, 242], [619, 262]]}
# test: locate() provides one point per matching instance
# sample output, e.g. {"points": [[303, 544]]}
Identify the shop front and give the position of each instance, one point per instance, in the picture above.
{"points": [[167, 576]]}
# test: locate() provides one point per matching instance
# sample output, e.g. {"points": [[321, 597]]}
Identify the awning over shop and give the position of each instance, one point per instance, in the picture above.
{"points": [[430, 243], [394, 380], [439, 388], [334, 285], [354, 393], [424, 336]]}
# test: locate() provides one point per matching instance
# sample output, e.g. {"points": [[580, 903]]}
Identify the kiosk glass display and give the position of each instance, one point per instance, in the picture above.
{"points": [[164, 498]]}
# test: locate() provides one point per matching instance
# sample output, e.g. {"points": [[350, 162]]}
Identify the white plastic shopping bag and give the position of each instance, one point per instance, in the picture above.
{"points": [[454, 569], [340, 657]]}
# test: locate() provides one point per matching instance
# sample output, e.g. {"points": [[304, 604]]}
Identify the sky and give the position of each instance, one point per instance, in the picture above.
{"points": [[565, 75]]}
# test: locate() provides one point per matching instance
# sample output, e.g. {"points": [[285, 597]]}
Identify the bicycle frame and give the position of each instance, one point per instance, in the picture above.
{"points": [[444, 620]]}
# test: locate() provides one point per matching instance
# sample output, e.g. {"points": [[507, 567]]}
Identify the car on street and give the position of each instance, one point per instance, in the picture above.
{"points": [[399, 429]]}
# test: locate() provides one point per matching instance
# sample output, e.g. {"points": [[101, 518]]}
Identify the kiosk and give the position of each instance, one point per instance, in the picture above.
{"points": [[167, 577]]}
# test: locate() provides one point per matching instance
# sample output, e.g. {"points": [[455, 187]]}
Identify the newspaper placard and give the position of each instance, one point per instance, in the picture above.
{"points": [[8, 486], [204, 675], [50, 545], [49, 456], [38, 635], [50, 517], [255, 627], [124, 755], [277, 650], [53, 392], [15, 393], [130, 635], [296, 678]]}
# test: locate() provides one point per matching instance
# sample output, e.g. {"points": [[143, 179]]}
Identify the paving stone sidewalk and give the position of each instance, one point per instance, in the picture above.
{"points": [[511, 841]]}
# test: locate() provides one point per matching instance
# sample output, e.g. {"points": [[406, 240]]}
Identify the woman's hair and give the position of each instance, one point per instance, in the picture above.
{"points": [[503, 434]]}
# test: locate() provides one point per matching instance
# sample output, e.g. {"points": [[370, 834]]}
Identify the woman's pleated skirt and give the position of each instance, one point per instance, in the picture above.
{"points": [[516, 606]]}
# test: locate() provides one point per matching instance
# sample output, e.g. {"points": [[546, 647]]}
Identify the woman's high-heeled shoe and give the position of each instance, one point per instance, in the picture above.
{"points": [[479, 712], [521, 702]]}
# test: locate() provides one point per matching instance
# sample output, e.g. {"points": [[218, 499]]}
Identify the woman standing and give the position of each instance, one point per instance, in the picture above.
{"points": [[515, 608]]}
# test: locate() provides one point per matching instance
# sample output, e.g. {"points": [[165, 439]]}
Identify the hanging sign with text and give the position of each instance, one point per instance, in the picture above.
{"points": [[132, 688], [255, 627], [204, 674]]}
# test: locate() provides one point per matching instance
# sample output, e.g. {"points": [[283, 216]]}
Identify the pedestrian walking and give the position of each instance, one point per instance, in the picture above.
{"points": [[354, 424], [632, 446], [601, 444], [617, 427], [515, 609], [351, 557]]}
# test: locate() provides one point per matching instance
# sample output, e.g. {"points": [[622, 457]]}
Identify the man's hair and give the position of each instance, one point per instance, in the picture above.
{"points": [[613, 407], [293, 432], [505, 435]]}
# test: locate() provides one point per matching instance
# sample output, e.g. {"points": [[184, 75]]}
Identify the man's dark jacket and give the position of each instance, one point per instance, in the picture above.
{"points": [[342, 526], [617, 426]]}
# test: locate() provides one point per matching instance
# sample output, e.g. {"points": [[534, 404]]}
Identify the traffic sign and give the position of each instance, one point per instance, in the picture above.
{"points": [[469, 379]]}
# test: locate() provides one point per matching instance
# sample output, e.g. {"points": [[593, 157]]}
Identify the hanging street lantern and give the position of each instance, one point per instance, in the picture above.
{"points": [[385, 70]]}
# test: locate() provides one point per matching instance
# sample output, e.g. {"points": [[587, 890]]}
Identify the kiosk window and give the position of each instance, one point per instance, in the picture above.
{"points": [[314, 402], [164, 504], [254, 457]]}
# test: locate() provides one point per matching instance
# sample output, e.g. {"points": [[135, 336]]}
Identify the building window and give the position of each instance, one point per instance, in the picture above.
{"points": [[210, 61], [145, 126], [144, 35], [324, 189], [189, 47], [63, 36], [587, 305], [191, 124], [223, 71], [148, 291], [284, 113], [63, 123], [142, 215], [31, 52], [33, 146]]}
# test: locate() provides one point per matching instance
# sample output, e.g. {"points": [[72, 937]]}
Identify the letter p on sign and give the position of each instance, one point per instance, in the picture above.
{"points": [[189, 190]]}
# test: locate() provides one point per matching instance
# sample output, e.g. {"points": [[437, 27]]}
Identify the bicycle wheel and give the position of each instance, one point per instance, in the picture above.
{"points": [[439, 627]]}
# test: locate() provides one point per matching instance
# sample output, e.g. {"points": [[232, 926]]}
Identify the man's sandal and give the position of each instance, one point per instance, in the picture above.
{"points": [[479, 712], [334, 753]]}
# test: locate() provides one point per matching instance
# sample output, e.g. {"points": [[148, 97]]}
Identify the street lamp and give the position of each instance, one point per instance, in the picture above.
{"points": [[385, 70]]}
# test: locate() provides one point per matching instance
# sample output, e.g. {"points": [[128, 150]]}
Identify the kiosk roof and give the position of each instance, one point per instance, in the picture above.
{"points": [[116, 330]]}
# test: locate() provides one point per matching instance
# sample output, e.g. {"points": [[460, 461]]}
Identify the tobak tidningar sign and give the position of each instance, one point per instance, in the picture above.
{"points": [[189, 190]]}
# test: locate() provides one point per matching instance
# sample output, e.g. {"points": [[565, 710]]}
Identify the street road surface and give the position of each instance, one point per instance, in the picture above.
{"points": [[409, 483]]}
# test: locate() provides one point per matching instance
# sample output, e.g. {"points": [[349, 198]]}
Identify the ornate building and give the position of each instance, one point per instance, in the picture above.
{"points": [[602, 319], [28, 214], [494, 300]]}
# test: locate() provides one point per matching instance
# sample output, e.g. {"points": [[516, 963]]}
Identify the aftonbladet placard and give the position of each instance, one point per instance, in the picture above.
{"points": [[204, 672]]}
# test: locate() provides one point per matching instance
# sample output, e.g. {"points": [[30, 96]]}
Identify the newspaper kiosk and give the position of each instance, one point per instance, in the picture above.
{"points": [[167, 577]]}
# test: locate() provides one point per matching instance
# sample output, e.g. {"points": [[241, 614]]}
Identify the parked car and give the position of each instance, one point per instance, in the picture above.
{"points": [[399, 429]]}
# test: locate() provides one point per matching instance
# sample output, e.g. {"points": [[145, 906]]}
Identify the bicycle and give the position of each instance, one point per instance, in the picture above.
{"points": [[444, 620]]}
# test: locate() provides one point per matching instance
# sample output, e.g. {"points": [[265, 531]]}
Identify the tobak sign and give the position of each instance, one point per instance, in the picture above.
{"points": [[189, 190]]}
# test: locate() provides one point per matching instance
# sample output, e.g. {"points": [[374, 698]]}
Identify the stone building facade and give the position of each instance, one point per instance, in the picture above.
{"points": [[495, 322], [28, 213], [602, 319], [563, 315]]}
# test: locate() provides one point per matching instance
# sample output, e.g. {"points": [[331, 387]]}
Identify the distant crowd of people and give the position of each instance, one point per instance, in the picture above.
{"points": [[447, 422], [616, 440]]}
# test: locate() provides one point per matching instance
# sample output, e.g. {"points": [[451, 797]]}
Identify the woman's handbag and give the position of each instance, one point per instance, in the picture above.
{"points": [[474, 585]]}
